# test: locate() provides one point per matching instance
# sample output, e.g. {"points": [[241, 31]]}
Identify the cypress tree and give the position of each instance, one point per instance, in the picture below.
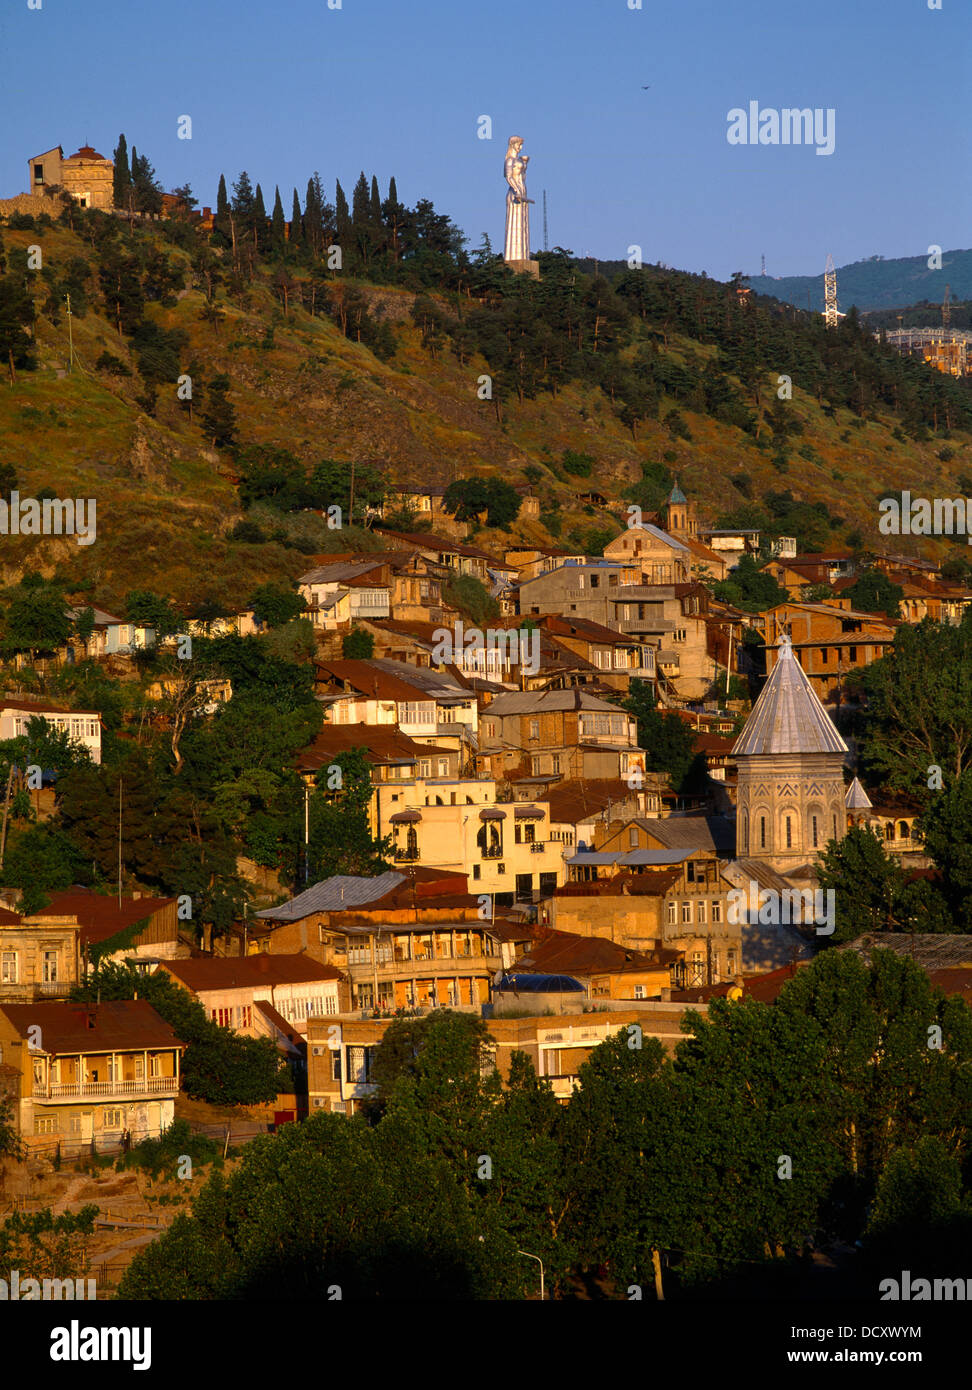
{"points": [[121, 175], [313, 228], [259, 218], [343, 217], [278, 222], [375, 209], [296, 230], [360, 202], [222, 235]]}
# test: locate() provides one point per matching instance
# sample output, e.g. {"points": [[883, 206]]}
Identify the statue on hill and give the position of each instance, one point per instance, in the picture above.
{"points": [[517, 246]]}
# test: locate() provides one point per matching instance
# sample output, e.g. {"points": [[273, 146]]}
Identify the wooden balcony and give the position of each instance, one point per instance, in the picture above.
{"points": [[101, 1090]]}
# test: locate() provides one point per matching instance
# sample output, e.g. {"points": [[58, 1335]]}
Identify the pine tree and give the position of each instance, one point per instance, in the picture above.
{"points": [[121, 176], [243, 201], [146, 191], [278, 222], [259, 219], [296, 230], [342, 215]]}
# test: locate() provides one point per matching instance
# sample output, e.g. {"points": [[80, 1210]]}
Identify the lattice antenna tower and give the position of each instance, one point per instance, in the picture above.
{"points": [[947, 307], [545, 245], [830, 294]]}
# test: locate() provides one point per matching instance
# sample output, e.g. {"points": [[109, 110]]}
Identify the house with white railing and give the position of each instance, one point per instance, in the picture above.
{"points": [[89, 1074]]}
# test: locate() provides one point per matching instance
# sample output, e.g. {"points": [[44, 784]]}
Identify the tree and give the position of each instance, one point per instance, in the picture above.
{"points": [[871, 893], [669, 742], [358, 645], [296, 230], [471, 597], [259, 219], [275, 605], [121, 175], [222, 231], [40, 860], [218, 414], [16, 320], [151, 610], [750, 588], [946, 828], [340, 840], [469, 498], [36, 620], [343, 216], [873, 592], [919, 705], [145, 189]]}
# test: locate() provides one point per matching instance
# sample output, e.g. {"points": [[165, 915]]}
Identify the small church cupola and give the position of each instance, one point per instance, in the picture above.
{"points": [[679, 517]]}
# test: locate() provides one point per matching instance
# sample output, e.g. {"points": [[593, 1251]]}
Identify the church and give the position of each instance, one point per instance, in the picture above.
{"points": [[790, 796]]}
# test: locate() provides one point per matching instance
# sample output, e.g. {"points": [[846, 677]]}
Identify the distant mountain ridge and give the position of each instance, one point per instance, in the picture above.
{"points": [[877, 284], [870, 284]]}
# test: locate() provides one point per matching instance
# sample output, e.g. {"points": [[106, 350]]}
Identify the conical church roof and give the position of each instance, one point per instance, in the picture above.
{"points": [[676, 495], [788, 716], [856, 798]]}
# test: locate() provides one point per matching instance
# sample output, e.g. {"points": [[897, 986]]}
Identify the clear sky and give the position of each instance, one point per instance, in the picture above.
{"points": [[396, 86]]}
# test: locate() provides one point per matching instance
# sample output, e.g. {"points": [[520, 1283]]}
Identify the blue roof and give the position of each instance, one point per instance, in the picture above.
{"points": [[541, 984]]}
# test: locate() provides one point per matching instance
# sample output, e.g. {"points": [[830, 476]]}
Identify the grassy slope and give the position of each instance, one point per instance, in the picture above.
{"points": [[166, 500]]}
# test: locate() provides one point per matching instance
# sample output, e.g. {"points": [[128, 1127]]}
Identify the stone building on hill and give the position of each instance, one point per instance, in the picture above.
{"points": [[86, 175]]}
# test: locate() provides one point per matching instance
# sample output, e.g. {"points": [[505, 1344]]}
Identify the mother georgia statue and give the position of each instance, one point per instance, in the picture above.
{"points": [[517, 246]]}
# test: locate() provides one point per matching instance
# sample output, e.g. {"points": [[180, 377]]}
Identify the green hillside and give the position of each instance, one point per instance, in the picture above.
{"points": [[655, 374]]}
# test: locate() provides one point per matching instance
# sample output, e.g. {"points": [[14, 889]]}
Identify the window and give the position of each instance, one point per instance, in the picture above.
{"points": [[425, 767], [717, 912], [535, 728], [672, 914], [701, 912], [244, 1016], [517, 835], [789, 832], [477, 871], [746, 829], [112, 1119], [50, 967], [529, 833], [762, 832], [813, 830], [686, 912], [633, 837], [501, 868], [46, 1124], [730, 962], [444, 767], [679, 634], [639, 991], [8, 967], [555, 763], [595, 581], [335, 1065], [852, 654]]}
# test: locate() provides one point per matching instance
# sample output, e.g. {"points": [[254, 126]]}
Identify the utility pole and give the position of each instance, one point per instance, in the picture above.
{"points": [[119, 840], [70, 335]]}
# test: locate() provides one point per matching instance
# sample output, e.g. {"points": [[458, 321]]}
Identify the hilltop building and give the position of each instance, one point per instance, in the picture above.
{"points": [[86, 175]]}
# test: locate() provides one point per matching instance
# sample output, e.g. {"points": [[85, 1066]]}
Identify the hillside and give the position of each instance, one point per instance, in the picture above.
{"points": [[662, 374]]}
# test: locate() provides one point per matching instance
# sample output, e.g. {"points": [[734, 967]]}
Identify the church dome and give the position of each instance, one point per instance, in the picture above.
{"points": [[788, 716]]}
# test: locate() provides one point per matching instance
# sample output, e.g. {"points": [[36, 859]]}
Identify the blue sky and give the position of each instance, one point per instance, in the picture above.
{"points": [[396, 87]]}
